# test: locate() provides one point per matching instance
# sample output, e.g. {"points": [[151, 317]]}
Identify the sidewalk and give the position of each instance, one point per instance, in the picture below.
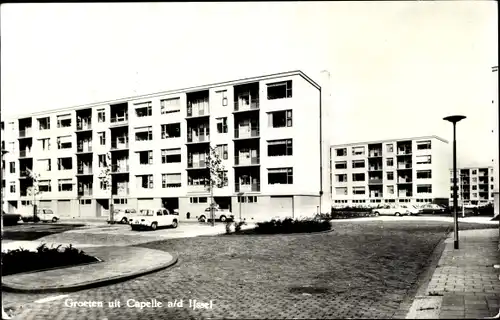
{"points": [[464, 283]]}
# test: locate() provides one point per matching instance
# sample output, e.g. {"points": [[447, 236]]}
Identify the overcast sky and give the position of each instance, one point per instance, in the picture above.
{"points": [[397, 68]]}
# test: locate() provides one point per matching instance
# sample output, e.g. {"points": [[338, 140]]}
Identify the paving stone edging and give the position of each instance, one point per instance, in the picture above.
{"points": [[90, 284]]}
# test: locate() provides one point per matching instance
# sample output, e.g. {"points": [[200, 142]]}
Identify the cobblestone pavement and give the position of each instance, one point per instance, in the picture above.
{"points": [[361, 270]]}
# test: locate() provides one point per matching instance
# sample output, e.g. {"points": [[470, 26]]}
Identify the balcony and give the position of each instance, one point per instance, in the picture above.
{"points": [[375, 168], [246, 133], [375, 153], [374, 181], [122, 191], [84, 125], [254, 187], [84, 149], [85, 193], [197, 165], [84, 171], [116, 145], [119, 120], [198, 139], [24, 174], [246, 105], [26, 153], [119, 168], [197, 188], [404, 180], [246, 160], [404, 152], [404, 165], [197, 112], [25, 133], [403, 194]]}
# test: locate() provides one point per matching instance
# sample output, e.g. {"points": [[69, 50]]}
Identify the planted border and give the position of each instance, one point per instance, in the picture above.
{"points": [[285, 226]]}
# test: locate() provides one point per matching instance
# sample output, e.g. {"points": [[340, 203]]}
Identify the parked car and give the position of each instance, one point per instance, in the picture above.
{"points": [[412, 210], [122, 215], [391, 211], [154, 218], [432, 208], [219, 214], [42, 214], [11, 219]]}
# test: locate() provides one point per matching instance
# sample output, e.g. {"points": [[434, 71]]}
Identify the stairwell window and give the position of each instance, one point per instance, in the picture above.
{"points": [[280, 176], [390, 175], [279, 90], [222, 151], [221, 125], [222, 97], [101, 115], [390, 162]]}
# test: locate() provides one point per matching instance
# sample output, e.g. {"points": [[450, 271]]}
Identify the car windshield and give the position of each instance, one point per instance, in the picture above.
{"points": [[146, 212]]}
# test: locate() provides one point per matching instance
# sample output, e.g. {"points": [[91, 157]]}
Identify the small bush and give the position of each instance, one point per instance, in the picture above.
{"points": [[23, 260], [351, 214], [290, 225], [234, 226]]}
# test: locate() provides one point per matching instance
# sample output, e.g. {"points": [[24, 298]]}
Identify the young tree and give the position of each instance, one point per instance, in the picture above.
{"points": [[105, 178], [216, 178], [34, 189]]}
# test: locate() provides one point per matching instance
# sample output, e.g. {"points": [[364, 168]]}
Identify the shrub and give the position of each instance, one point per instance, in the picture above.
{"points": [[351, 214], [290, 225], [234, 226], [23, 260]]}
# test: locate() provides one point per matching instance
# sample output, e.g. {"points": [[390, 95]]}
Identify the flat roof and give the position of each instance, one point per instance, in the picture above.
{"points": [[389, 140], [176, 91]]}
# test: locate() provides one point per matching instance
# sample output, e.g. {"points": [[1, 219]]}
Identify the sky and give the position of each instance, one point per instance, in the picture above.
{"points": [[397, 68]]}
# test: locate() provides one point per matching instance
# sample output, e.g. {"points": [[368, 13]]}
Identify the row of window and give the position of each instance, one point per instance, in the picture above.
{"points": [[466, 181], [380, 201], [421, 188], [421, 174], [474, 187], [474, 195], [361, 150], [427, 159]]}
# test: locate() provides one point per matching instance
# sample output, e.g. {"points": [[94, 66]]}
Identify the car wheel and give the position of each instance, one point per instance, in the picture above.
{"points": [[124, 220], [174, 224], [202, 219], [397, 214], [376, 213], [223, 218], [154, 226], [54, 219]]}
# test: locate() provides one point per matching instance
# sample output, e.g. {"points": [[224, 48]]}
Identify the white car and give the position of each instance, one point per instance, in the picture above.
{"points": [[412, 209], [122, 215], [43, 214], [219, 214], [391, 211], [154, 218]]}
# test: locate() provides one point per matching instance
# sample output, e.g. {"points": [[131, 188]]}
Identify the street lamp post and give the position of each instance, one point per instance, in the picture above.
{"points": [[5, 315], [454, 120]]}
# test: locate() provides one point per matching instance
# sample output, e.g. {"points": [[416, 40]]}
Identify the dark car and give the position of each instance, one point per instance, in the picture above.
{"points": [[11, 219], [432, 208]]}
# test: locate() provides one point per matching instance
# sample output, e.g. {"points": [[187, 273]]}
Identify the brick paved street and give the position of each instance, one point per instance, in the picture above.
{"points": [[361, 270]]}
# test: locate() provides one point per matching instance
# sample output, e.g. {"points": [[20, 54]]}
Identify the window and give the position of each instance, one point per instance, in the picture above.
{"points": [[145, 157], [279, 90], [102, 160], [424, 188], [389, 148], [102, 138], [44, 165], [144, 109], [12, 188], [247, 199], [390, 189], [358, 190], [280, 119], [358, 151], [358, 177], [341, 165], [120, 201], [172, 130], [64, 142], [423, 145], [64, 121], [221, 97], [145, 181], [198, 200], [424, 174], [474, 194], [144, 133], [171, 180], [341, 177], [170, 105], [474, 187], [474, 179], [390, 162], [103, 185], [341, 191], [44, 186], [222, 151], [86, 201], [276, 148], [358, 163], [474, 171], [12, 167], [64, 163], [171, 155], [12, 147], [101, 115], [423, 159], [221, 125], [44, 123], [390, 175], [342, 152], [65, 185], [45, 144], [280, 176]]}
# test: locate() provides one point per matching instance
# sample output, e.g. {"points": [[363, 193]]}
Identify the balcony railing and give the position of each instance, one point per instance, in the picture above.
{"points": [[87, 192], [240, 105], [377, 153], [119, 119], [120, 168], [243, 134], [404, 151], [374, 181], [124, 191], [24, 153], [245, 161], [403, 165], [376, 168], [197, 188], [376, 195], [84, 170], [84, 149], [200, 138], [119, 145], [404, 194], [24, 173], [198, 164], [84, 125], [254, 187], [404, 180], [25, 133], [194, 111]]}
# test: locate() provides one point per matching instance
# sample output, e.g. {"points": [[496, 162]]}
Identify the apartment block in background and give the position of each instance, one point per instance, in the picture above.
{"points": [[412, 170], [267, 130], [475, 186]]}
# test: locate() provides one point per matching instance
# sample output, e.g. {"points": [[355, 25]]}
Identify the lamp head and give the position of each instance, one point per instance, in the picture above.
{"points": [[454, 119], [4, 151]]}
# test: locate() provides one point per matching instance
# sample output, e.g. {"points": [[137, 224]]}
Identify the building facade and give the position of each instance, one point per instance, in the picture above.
{"points": [[267, 130], [412, 170], [476, 186]]}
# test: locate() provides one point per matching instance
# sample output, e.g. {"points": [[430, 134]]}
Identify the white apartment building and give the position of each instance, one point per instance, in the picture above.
{"points": [[3, 162], [475, 185], [268, 131], [412, 170]]}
